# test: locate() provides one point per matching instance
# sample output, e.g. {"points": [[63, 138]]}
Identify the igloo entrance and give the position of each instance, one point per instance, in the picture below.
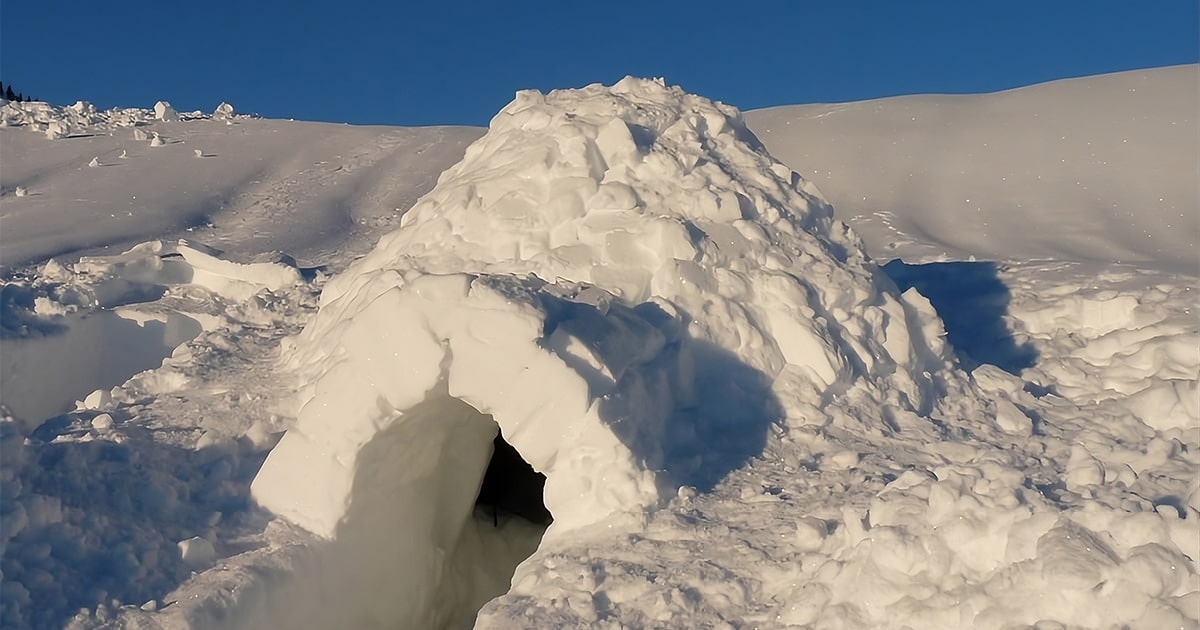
{"points": [[441, 512], [511, 488]]}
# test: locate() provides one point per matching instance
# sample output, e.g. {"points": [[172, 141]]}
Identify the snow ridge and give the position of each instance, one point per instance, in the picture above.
{"points": [[83, 117]]}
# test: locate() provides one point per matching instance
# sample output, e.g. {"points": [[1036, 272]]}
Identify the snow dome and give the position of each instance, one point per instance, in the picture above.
{"points": [[617, 280]]}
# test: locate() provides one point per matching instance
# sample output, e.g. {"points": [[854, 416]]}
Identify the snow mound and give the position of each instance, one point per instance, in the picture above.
{"points": [[621, 279]]}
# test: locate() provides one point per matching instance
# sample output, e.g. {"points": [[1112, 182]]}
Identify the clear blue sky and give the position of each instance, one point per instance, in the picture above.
{"points": [[457, 62]]}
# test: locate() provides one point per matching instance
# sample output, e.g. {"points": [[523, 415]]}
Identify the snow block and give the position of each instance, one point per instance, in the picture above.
{"points": [[163, 111], [224, 111]]}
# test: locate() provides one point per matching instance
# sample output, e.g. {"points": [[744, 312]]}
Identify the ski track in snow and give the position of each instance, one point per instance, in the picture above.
{"points": [[1064, 488]]}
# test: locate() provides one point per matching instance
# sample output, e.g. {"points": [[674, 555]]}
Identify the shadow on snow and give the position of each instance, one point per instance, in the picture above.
{"points": [[972, 302]]}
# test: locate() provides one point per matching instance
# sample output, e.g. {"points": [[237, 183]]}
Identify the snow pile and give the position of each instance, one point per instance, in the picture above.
{"points": [[1126, 348], [614, 276], [61, 122], [224, 111]]}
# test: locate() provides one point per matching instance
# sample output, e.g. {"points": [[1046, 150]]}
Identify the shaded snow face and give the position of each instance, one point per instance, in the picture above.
{"points": [[625, 281]]}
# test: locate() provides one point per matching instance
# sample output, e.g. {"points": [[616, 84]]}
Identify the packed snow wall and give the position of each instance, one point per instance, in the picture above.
{"points": [[629, 286]]}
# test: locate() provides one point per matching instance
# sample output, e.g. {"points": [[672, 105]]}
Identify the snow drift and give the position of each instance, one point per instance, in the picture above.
{"points": [[616, 277]]}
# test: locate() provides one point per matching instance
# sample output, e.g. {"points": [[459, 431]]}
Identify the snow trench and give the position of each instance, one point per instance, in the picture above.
{"points": [[85, 353]]}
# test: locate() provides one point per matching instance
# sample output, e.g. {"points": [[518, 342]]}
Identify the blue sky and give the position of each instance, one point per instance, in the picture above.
{"points": [[457, 62]]}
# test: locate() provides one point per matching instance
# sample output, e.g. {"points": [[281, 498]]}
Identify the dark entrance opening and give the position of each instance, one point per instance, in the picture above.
{"points": [[511, 488]]}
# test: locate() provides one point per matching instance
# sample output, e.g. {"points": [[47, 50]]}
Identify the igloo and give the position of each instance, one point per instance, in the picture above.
{"points": [[617, 280]]}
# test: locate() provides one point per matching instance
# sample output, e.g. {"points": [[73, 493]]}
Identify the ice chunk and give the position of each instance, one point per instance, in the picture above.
{"points": [[98, 399], [197, 553], [163, 111], [224, 111]]}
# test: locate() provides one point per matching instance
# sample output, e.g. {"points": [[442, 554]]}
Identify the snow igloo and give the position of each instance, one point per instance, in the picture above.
{"points": [[617, 281]]}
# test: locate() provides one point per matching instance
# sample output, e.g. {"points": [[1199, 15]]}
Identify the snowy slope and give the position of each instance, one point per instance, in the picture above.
{"points": [[1100, 168], [1041, 466], [307, 189]]}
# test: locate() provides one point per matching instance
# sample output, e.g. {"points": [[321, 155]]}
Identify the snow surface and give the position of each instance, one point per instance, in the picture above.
{"points": [[1099, 169], [743, 421], [314, 190]]}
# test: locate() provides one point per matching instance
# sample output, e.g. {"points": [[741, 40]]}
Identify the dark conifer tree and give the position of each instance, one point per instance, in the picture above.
{"points": [[8, 94]]}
